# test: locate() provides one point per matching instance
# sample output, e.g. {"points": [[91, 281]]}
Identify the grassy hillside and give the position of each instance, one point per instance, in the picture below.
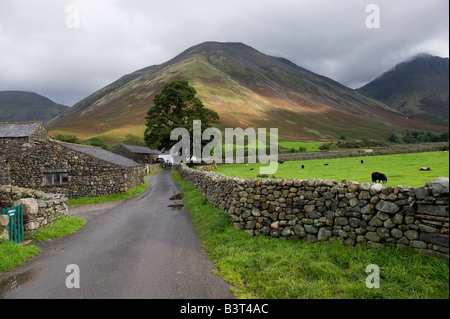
{"points": [[418, 88], [19, 106], [246, 88]]}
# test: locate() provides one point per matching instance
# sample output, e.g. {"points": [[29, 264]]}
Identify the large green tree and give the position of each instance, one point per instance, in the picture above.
{"points": [[177, 106]]}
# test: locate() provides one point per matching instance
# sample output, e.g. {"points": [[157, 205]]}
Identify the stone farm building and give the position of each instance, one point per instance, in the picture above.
{"points": [[140, 154], [30, 159]]}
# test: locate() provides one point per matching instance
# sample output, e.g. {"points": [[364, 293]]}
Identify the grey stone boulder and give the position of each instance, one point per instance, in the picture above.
{"points": [[30, 206], [375, 188], [4, 220], [440, 186], [324, 234], [437, 239], [387, 207]]}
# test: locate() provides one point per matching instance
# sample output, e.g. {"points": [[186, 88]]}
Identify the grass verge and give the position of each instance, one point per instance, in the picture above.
{"points": [[12, 254], [160, 169], [273, 268], [63, 226]]}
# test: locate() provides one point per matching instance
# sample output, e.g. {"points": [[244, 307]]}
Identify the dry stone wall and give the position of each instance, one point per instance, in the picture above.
{"points": [[325, 210], [39, 209]]}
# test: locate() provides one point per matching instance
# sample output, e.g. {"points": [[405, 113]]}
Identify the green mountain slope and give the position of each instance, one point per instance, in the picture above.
{"points": [[19, 106], [246, 88], [418, 88]]}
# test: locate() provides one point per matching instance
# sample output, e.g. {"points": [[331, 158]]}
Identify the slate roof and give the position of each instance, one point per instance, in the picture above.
{"points": [[142, 150], [102, 154], [11, 130]]}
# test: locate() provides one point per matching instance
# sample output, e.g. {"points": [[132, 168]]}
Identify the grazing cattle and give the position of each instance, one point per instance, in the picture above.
{"points": [[425, 169], [303, 166], [376, 176]]}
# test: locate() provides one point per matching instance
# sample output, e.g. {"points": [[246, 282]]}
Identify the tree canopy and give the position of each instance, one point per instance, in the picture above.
{"points": [[177, 106]]}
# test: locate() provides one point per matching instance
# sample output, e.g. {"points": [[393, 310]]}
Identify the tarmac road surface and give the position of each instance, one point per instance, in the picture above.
{"points": [[145, 247]]}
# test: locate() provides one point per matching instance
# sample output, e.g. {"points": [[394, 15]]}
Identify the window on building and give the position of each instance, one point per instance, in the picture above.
{"points": [[56, 179]]}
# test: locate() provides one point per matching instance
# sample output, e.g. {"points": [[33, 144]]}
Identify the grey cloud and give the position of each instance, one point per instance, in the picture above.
{"points": [[39, 52]]}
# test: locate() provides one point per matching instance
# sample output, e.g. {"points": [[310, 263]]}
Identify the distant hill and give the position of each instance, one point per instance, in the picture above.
{"points": [[418, 88], [19, 106], [246, 88]]}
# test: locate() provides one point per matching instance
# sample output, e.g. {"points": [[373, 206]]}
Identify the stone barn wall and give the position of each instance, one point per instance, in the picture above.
{"points": [[324, 210], [86, 175]]}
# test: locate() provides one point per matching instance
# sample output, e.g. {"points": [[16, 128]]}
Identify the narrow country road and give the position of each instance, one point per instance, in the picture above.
{"points": [[145, 247]]}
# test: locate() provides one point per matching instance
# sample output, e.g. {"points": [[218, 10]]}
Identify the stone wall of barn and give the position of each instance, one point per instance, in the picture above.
{"points": [[8, 147], [87, 175], [324, 210], [137, 157], [4, 170], [123, 151], [39, 209], [39, 135]]}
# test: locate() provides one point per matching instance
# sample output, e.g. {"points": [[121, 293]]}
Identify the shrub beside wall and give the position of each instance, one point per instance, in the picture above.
{"points": [[324, 210]]}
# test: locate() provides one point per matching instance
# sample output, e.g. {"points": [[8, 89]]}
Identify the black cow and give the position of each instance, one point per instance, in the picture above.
{"points": [[376, 176]]}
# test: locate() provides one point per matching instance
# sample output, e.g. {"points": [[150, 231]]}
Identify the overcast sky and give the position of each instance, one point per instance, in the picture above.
{"points": [[66, 50]]}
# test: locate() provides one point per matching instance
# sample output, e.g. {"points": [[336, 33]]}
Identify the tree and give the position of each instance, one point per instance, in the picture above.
{"points": [[95, 141], [443, 137], [177, 106], [396, 138], [68, 139], [131, 139]]}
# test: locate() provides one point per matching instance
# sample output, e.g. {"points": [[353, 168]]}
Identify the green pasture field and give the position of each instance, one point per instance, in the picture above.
{"points": [[400, 169]]}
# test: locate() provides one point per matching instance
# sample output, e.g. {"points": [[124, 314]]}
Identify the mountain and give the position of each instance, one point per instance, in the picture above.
{"points": [[246, 88], [418, 88], [19, 106]]}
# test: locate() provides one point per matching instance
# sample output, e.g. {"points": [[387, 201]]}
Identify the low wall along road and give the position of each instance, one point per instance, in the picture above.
{"points": [[325, 210]]}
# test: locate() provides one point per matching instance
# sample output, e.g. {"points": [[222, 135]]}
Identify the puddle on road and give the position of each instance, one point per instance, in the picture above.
{"points": [[16, 281], [177, 197], [176, 206]]}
